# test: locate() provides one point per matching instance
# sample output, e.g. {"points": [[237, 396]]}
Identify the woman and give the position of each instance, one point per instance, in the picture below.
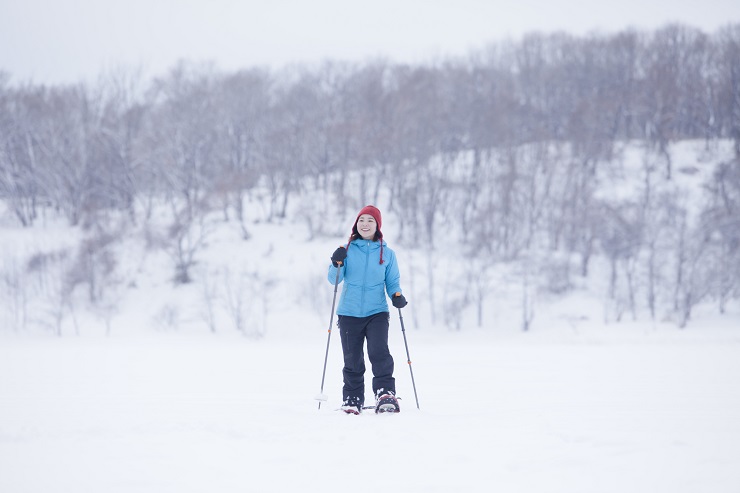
{"points": [[369, 271]]}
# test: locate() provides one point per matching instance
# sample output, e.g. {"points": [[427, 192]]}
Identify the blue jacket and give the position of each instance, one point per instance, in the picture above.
{"points": [[366, 280]]}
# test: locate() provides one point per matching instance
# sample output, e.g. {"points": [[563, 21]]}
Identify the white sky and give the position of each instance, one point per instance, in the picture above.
{"points": [[59, 41]]}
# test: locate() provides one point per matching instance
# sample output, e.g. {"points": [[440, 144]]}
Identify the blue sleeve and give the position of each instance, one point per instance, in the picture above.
{"points": [[392, 276], [332, 276]]}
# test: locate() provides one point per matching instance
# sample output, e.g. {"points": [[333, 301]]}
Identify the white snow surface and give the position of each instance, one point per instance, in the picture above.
{"points": [[611, 411]]}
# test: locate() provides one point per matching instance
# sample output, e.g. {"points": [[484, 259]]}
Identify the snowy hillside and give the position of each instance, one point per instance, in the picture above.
{"points": [[119, 276]]}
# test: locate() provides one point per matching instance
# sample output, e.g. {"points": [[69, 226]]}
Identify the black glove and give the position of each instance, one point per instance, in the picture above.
{"points": [[338, 256], [399, 300]]}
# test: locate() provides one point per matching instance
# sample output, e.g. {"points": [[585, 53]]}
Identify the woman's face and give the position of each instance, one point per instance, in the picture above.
{"points": [[367, 226]]}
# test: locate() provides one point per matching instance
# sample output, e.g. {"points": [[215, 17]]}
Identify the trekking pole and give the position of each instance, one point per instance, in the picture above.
{"points": [[323, 397], [408, 358]]}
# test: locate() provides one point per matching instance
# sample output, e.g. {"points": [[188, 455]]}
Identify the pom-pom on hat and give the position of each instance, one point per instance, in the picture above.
{"points": [[375, 212]]}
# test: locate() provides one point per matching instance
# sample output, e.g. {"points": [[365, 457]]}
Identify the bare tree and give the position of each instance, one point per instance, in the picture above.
{"points": [[244, 102], [15, 294]]}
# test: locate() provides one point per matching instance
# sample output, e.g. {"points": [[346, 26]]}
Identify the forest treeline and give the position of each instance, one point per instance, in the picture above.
{"points": [[510, 145]]}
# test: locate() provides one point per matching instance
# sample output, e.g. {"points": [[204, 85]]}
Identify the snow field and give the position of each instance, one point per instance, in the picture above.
{"points": [[514, 413]]}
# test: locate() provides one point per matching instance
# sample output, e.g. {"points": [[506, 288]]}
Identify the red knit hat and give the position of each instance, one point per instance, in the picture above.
{"points": [[373, 211]]}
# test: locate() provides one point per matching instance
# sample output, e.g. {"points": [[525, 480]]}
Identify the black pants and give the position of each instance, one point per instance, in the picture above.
{"points": [[354, 331]]}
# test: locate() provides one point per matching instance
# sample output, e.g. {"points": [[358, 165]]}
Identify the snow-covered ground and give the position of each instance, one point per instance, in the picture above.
{"points": [[612, 410]]}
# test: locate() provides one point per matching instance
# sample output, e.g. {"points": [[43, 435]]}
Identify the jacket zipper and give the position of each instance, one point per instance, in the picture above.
{"points": [[364, 276]]}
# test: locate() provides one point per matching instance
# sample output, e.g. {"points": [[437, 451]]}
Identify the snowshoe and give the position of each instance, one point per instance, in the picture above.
{"points": [[351, 406], [386, 402]]}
